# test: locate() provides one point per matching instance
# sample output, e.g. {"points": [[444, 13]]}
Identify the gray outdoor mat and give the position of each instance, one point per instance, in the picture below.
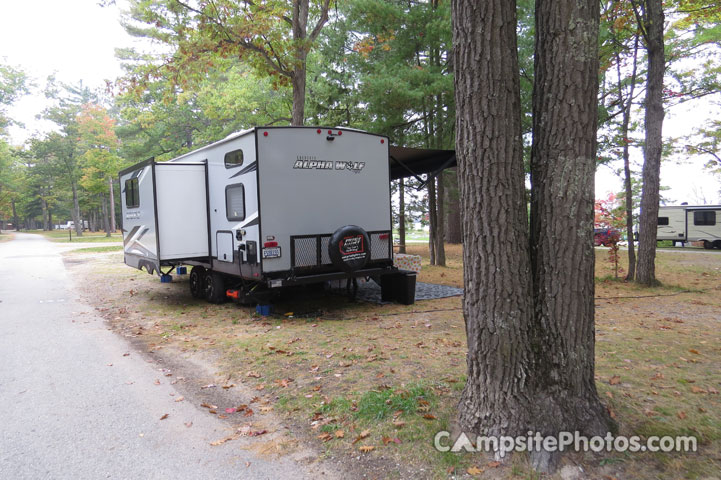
{"points": [[371, 292]]}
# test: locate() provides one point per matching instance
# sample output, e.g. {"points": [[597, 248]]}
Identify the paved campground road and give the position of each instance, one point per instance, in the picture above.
{"points": [[73, 404]]}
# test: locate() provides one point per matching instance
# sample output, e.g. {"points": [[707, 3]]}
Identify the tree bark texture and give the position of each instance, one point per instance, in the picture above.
{"points": [[497, 305], [651, 17], [563, 165]]}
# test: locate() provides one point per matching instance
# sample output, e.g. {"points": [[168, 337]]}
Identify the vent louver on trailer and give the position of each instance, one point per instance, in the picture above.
{"points": [[312, 250]]}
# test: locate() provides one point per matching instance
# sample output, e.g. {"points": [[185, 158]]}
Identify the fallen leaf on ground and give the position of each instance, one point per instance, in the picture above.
{"points": [[696, 389], [474, 471], [615, 380], [681, 414], [189, 424], [339, 434], [367, 448], [428, 416], [180, 399], [494, 464], [387, 440], [325, 436], [253, 374], [362, 435], [694, 351], [165, 415], [223, 440], [398, 423], [207, 405]]}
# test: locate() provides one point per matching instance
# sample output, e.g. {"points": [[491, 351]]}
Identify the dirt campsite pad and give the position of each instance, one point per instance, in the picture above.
{"points": [[369, 385]]}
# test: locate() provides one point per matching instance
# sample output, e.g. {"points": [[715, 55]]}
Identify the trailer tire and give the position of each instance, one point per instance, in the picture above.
{"points": [[707, 245], [214, 287], [717, 244], [197, 282], [349, 248]]}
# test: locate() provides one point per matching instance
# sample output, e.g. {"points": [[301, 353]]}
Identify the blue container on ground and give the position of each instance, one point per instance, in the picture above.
{"points": [[166, 278], [263, 310], [181, 270]]}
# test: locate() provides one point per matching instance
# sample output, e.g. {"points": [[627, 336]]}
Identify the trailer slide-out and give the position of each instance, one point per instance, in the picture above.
{"points": [[690, 223], [264, 209]]}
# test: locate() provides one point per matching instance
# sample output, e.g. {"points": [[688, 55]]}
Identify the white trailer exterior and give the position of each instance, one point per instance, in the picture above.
{"points": [[690, 223], [262, 207]]}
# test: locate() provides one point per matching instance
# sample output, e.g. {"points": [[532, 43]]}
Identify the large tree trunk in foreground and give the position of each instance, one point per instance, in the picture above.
{"points": [[650, 16], [528, 311], [496, 265], [563, 163]]}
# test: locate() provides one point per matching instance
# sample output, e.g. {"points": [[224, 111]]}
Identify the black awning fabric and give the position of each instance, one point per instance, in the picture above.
{"points": [[409, 162]]}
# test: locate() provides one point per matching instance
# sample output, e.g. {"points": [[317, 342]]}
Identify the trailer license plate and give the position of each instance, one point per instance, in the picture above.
{"points": [[273, 252]]}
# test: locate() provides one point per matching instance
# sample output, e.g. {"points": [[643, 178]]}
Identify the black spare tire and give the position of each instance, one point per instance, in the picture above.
{"points": [[349, 248]]}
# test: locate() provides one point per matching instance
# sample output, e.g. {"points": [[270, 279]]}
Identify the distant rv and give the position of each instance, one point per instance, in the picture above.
{"points": [[690, 223]]}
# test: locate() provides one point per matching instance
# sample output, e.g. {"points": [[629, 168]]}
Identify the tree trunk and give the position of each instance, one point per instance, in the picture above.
{"points": [[298, 78], [16, 223], [432, 219], [631, 274], [402, 215], [440, 223], [563, 163], [44, 206], [453, 211], [76, 211], [652, 18], [112, 205], [496, 265], [106, 217]]}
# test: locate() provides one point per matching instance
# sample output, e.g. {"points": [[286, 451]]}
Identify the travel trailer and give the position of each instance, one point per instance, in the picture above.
{"points": [[267, 208], [690, 223]]}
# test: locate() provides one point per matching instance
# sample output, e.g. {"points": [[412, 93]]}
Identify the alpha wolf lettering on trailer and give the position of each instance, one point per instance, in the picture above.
{"points": [[306, 162]]}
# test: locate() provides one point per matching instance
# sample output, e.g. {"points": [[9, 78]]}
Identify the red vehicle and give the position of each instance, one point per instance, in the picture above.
{"points": [[605, 236]]}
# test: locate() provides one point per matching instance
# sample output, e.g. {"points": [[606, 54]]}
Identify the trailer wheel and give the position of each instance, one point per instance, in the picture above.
{"points": [[707, 245], [349, 248], [717, 244], [197, 281], [214, 287]]}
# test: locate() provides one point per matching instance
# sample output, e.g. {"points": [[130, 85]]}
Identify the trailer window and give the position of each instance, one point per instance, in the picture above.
{"points": [[704, 218], [132, 193], [234, 159], [235, 202], [663, 220]]}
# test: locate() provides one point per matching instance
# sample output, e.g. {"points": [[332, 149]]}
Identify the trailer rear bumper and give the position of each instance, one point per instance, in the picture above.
{"points": [[290, 280]]}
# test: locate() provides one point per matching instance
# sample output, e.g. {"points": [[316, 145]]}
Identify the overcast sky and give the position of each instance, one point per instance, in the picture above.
{"points": [[76, 40]]}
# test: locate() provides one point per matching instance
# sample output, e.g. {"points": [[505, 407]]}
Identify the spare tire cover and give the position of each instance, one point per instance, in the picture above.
{"points": [[349, 248]]}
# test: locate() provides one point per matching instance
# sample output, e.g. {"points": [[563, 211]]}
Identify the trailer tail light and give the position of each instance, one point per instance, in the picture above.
{"points": [[340, 132], [270, 244], [318, 131], [330, 132], [383, 236], [265, 134], [383, 141]]}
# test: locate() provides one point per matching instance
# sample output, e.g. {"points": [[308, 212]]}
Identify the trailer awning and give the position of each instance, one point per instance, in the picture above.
{"points": [[413, 162]]}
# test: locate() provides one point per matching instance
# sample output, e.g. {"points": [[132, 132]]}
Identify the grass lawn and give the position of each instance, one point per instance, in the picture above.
{"points": [[350, 376], [90, 237]]}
